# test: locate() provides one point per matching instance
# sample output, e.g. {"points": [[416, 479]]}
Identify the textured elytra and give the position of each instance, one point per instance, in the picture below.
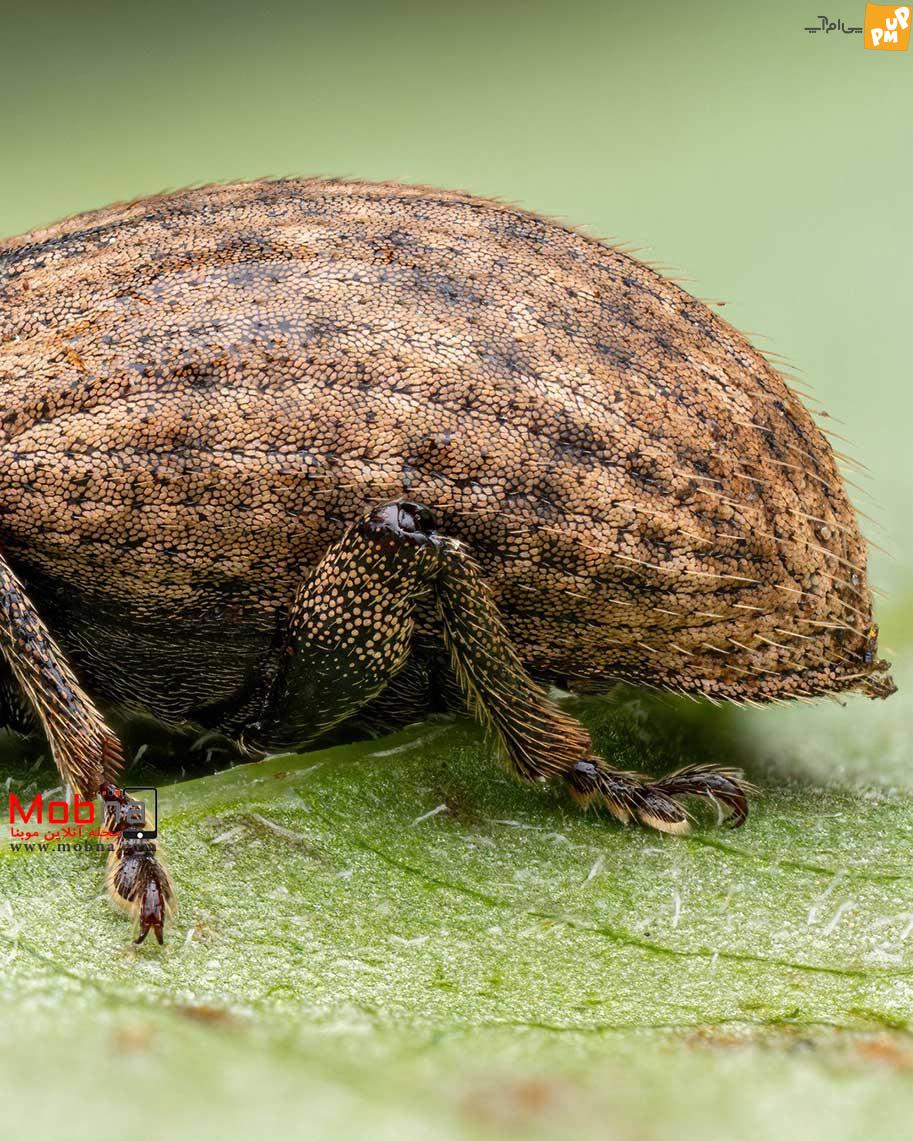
{"points": [[200, 392]]}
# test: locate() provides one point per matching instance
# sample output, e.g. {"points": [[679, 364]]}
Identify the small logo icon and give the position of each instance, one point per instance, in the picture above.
{"points": [[137, 819], [887, 27]]}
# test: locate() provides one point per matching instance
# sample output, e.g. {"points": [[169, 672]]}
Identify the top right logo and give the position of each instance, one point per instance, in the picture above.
{"points": [[887, 28]]}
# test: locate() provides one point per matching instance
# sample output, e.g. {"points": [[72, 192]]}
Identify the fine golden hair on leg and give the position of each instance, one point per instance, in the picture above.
{"points": [[84, 749], [538, 740], [350, 633], [87, 753]]}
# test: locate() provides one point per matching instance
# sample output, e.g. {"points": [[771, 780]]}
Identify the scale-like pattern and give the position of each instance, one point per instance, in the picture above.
{"points": [[199, 392]]}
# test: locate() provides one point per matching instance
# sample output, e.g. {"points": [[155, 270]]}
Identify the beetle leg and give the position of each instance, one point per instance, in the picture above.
{"points": [[137, 880], [633, 796], [537, 738], [350, 632], [85, 750], [87, 753]]}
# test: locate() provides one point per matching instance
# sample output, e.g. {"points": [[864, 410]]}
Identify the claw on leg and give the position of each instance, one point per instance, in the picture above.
{"points": [[152, 912], [726, 788], [633, 796]]}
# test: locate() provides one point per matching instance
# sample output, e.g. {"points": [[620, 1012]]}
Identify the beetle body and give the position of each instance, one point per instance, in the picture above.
{"points": [[199, 391], [276, 453]]}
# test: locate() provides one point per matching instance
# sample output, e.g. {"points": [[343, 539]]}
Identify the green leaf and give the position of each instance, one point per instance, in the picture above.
{"points": [[394, 938]]}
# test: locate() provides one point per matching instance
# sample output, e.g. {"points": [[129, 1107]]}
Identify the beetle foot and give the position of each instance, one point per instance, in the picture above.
{"points": [[725, 788], [633, 796], [137, 880], [139, 884], [152, 906]]}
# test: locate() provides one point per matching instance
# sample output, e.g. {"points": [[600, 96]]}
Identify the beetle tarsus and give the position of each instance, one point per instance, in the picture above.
{"points": [[726, 788], [632, 796], [137, 880], [152, 911]]}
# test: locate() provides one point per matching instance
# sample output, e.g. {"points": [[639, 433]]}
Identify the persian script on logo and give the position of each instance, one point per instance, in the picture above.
{"points": [[45, 825], [827, 25]]}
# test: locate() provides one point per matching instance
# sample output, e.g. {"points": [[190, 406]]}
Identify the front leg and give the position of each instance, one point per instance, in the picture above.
{"points": [[86, 752]]}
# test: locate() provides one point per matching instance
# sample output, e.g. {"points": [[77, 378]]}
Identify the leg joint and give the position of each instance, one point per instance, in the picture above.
{"points": [[401, 520]]}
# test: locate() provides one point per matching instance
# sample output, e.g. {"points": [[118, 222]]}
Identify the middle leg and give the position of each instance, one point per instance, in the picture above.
{"points": [[350, 633]]}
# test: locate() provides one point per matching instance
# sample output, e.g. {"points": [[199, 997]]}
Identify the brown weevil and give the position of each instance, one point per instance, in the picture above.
{"points": [[453, 452]]}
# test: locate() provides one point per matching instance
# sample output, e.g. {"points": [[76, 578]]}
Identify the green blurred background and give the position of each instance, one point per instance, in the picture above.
{"points": [[770, 167]]}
